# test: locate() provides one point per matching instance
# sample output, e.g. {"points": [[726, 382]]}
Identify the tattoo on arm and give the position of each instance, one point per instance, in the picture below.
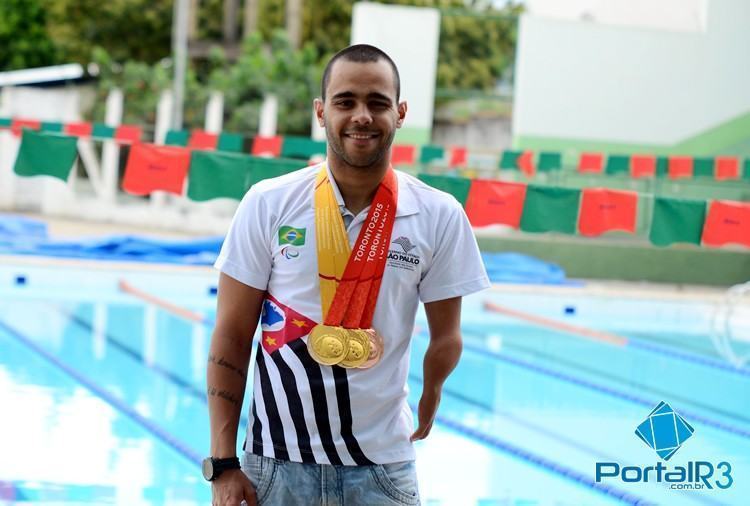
{"points": [[226, 395], [223, 363]]}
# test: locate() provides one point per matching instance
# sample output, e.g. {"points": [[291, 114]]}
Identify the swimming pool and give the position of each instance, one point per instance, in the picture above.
{"points": [[103, 393]]}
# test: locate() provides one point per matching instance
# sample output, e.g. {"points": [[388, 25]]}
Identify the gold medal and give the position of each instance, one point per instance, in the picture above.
{"points": [[358, 349], [328, 345], [376, 347]]}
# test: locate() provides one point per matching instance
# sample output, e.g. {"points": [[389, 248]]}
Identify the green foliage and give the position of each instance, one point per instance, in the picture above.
{"points": [[24, 41]]}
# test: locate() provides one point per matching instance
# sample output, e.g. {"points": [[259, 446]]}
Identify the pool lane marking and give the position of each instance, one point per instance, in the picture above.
{"points": [[632, 342], [110, 399], [576, 330], [613, 392], [180, 311]]}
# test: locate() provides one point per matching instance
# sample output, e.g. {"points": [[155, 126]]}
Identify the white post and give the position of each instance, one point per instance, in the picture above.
{"points": [[8, 152], [110, 150], [215, 113], [164, 111], [268, 115]]}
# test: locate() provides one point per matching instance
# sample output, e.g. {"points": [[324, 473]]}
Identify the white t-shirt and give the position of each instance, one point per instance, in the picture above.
{"points": [[306, 412]]}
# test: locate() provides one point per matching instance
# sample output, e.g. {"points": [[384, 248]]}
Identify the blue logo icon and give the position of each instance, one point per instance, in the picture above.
{"points": [[664, 431], [272, 317]]}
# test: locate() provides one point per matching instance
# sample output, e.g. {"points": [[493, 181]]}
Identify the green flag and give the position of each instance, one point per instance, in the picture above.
{"points": [[617, 164], [102, 131], [456, 186], [213, 174], [549, 161], [509, 159], [746, 169], [430, 152], [51, 127], [230, 142], [44, 154], [550, 209], [5, 122], [267, 168], [177, 138], [703, 167], [662, 166], [303, 148], [677, 220]]}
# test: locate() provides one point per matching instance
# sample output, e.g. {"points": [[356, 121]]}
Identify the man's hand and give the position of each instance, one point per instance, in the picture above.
{"points": [[231, 488], [428, 406]]}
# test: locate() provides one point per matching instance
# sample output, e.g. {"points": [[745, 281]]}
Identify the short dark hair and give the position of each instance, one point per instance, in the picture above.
{"points": [[360, 53]]}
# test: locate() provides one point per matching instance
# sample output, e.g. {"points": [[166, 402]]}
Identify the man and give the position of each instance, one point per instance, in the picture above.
{"points": [[334, 259]]}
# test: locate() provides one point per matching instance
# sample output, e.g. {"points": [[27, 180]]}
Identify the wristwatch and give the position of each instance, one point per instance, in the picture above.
{"points": [[212, 467]]}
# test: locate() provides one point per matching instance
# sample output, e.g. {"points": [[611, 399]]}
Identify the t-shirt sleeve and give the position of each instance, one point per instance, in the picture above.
{"points": [[456, 268], [246, 252]]}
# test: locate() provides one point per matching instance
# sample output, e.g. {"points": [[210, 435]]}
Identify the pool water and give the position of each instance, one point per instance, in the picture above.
{"points": [[103, 394]]}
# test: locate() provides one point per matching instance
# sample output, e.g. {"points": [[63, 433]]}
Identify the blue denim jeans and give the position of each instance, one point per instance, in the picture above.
{"points": [[283, 483]]}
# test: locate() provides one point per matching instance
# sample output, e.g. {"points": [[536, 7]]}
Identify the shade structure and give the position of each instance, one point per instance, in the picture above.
{"points": [[156, 168], [677, 221], [727, 222], [491, 202], [456, 186], [591, 162], [43, 154], [604, 210], [549, 209]]}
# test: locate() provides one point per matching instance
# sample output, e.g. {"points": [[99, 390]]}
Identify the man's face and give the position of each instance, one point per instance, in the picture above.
{"points": [[360, 113]]}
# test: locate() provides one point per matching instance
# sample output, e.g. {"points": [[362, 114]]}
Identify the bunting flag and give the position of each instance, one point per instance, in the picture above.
{"points": [[403, 154], [642, 166], [281, 324], [267, 146], [216, 175], [662, 166], [617, 164], [603, 210], [200, 139], [680, 167], [703, 167], [177, 138], [302, 148], [128, 134], [79, 129], [430, 153], [495, 203], [52, 127], [727, 167], [591, 162], [18, 125], [456, 186], [233, 143], [102, 131], [526, 163], [746, 170], [5, 122], [156, 168], [458, 157], [677, 220], [44, 154], [509, 159], [550, 209], [549, 161], [727, 223], [267, 168]]}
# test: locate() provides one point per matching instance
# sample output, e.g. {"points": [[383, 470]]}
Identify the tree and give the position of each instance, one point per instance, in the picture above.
{"points": [[24, 41]]}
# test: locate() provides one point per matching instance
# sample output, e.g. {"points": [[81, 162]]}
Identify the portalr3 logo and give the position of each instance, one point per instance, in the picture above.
{"points": [[665, 431]]}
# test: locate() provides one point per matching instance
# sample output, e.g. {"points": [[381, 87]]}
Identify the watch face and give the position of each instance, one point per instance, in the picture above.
{"points": [[208, 468]]}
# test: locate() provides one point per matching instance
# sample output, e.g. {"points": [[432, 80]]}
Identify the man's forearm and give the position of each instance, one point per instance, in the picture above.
{"points": [[440, 359], [226, 375]]}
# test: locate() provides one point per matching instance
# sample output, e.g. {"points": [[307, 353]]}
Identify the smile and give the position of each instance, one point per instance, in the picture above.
{"points": [[361, 136]]}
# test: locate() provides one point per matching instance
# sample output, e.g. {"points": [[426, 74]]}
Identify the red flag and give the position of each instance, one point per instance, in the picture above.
{"points": [[267, 146], [18, 125], [526, 163], [727, 222], [128, 134], [281, 324], [603, 210], [403, 154], [591, 162], [495, 203], [200, 139], [79, 129], [680, 167], [152, 168], [726, 167], [459, 156], [642, 166]]}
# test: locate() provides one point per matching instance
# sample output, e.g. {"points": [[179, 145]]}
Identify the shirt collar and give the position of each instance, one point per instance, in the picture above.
{"points": [[407, 203]]}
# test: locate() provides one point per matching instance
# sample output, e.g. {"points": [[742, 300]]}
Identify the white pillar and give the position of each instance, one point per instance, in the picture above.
{"points": [[164, 110], [110, 150], [268, 115], [214, 113], [8, 152]]}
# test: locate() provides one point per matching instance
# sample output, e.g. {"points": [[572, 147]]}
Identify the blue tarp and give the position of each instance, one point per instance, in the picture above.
{"points": [[24, 236]]}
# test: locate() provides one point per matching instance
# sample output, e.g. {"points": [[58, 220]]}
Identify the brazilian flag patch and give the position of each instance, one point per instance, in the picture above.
{"points": [[292, 236]]}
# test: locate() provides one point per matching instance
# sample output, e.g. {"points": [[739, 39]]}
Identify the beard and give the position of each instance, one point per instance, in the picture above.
{"points": [[363, 160]]}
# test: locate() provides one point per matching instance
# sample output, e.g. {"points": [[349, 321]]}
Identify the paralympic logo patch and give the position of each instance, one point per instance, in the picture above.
{"points": [[664, 430]]}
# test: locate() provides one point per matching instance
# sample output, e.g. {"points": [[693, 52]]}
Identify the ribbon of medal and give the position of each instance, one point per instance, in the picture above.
{"points": [[350, 277]]}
